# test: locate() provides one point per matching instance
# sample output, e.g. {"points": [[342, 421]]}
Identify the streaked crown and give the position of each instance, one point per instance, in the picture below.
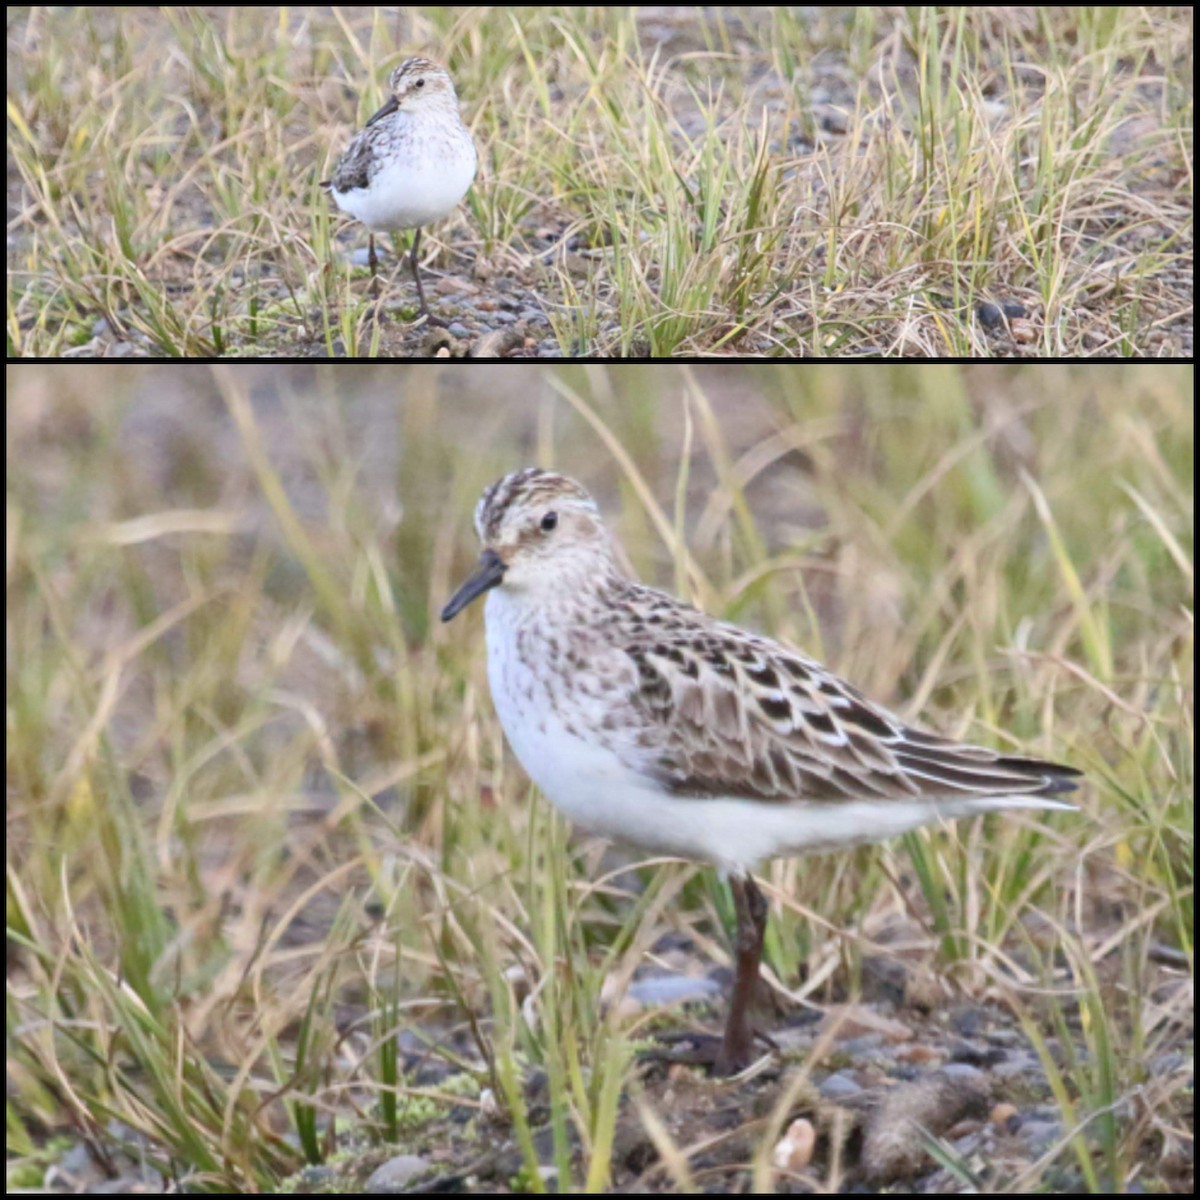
{"points": [[524, 493], [416, 78]]}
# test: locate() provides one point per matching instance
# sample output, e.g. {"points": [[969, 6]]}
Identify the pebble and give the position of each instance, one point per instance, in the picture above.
{"points": [[862, 1046], [1002, 1037], [1041, 1135], [397, 1173], [918, 1053], [495, 343], [990, 316], [656, 990], [962, 1070], [1169, 1063], [970, 1052], [794, 1151], [969, 1020], [1003, 1116], [838, 1086]]}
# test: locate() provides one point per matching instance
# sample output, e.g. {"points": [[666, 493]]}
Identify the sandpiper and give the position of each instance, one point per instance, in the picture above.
{"points": [[412, 162], [646, 721]]}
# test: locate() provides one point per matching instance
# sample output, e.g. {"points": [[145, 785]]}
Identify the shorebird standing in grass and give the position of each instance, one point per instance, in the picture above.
{"points": [[646, 721], [411, 164]]}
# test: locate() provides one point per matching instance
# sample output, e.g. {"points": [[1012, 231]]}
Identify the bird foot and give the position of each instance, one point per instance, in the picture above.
{"points": [[434, 322], [703, 1050]]}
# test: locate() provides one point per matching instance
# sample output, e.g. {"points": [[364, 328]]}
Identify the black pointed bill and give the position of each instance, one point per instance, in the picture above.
{"points": [[485, 577], [389, 107]]}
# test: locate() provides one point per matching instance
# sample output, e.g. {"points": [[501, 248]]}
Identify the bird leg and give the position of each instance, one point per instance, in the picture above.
{"points": [[430, 319], [737, 1046], [374, 265], [412, 262], [734, 1051]]}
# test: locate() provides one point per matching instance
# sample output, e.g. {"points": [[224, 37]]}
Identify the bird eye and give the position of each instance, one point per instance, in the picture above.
{"points": [[549, 521], [419, 83]]}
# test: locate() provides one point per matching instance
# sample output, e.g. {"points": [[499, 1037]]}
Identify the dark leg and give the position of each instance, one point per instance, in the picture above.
{"points": [[735, 1051], [417, 273], [430, 319], [374, 265], [737, 1048]]}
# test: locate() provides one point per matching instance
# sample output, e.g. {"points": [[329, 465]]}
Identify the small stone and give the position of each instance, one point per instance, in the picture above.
{"points": [[838, 1086], [975, 1054], [1170, 1063], [917, 1053], [495, 343], [660, 990], [990, 316], [864, 1046], [969, 1020], [317, 1177], [1041, 1135], [397, 1173], [794, 1151], [962, 1070], [1002, 1114]]}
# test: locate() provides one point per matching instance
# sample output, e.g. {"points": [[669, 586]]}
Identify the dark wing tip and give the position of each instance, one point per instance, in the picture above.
{"points": [[1056, 777]]}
